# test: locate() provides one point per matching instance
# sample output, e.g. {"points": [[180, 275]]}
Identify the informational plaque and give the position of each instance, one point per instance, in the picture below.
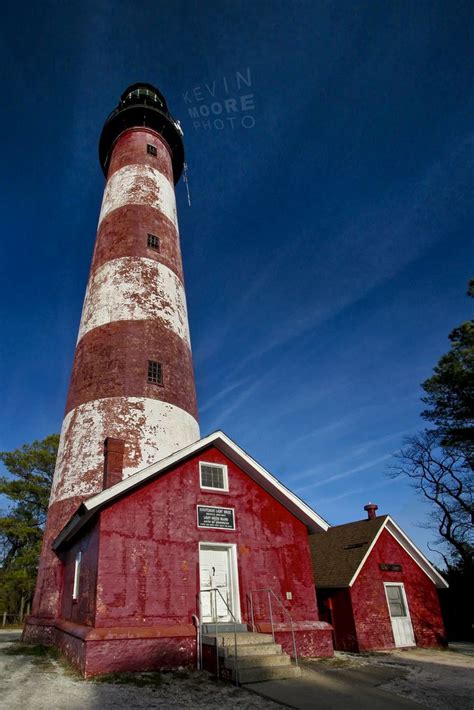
{"points": [[391, 568], [213, 517]]}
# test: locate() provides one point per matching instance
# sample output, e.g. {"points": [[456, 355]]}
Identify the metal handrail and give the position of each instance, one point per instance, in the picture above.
{"points": [[271, 594], [216, 592]]}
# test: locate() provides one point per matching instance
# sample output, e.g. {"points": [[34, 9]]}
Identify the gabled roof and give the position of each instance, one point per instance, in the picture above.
{"points": [[340, 554], [287, 498]]}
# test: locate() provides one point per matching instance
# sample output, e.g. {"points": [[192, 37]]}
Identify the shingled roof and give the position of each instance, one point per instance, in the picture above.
{"points": [[338, 554]]}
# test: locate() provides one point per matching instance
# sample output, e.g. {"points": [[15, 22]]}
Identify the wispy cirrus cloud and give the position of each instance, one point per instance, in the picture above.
{"points": [[345, 474], [214, 400], [372, 248], [356, 491]]}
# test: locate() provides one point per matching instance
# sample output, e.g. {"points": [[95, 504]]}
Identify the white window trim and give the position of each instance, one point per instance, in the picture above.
{"points": [[77, 574], [225, 472]]}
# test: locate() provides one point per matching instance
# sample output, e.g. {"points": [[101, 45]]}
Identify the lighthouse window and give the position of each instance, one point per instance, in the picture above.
{"points": [[77, 574], [151, 149], [213, 476], [155, 372], [153, 242]]}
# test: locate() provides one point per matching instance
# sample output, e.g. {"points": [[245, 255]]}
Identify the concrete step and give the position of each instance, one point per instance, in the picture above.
{"points": [[246, 639], [256, 675], [243, 650], [223, 628], [256, 662]]}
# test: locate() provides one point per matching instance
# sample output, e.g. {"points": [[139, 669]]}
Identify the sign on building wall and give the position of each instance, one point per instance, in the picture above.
{"points": [[213, 517]]}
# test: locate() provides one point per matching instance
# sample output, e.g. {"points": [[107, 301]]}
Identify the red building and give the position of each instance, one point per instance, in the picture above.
{"points": [[376, 587], [135, 556], [152, 532]]}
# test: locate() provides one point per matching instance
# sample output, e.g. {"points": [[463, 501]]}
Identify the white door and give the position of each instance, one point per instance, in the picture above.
{"points": [[399, 615], [215, 574]]}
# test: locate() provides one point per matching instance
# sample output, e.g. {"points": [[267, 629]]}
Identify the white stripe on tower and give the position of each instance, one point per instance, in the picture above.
{"points": [[135, 288], [81, 451], [139, 185]]}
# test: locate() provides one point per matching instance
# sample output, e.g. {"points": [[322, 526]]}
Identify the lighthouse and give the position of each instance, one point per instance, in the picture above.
{"points": [[132, 383], [157, 537]]}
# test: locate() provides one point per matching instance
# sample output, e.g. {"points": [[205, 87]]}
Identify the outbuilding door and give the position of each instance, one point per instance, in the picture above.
{"points": [[217, 572], [399, 615]]}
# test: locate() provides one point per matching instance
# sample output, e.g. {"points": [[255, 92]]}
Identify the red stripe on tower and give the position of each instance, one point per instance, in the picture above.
{"points": [[132, 376]]}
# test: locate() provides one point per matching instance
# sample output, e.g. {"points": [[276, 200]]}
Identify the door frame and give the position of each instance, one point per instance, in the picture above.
{"points": [[233, 569], [408, 616]]}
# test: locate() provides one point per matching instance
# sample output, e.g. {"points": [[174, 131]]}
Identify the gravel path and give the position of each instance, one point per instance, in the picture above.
{"points": [[437, 679], [440, 680], [33, 679]]}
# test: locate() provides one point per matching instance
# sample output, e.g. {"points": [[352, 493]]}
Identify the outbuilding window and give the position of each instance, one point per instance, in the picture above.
{"points": [[213, 476], [151, 149], [395, 601], [77, 575]]}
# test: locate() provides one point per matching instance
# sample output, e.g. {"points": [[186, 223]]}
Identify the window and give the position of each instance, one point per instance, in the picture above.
{"points": [[153, 242], [213, 476], [395, 601], [155, 372], [151, 149], [77, 574]]}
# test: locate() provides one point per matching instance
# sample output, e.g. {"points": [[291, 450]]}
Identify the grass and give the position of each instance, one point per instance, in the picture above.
{"points": [[43, 657], [46, 658], [149, 679], [140, 680], [20, 649]]}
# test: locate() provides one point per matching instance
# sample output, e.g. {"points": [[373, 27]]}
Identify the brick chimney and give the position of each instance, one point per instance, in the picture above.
{"points": [[371, 508], [113, 461]]}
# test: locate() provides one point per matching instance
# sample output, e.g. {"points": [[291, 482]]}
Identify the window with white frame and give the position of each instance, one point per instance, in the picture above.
{"points": [[213, 476], [77, 574]]}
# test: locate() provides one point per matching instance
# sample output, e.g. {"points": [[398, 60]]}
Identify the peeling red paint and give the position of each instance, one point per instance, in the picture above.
{"points": [[360, 614], [112, 361], [109, 394], [143, 578], [130, 149], [49, 582], [124, 233], [371, 616], [148, 536]]}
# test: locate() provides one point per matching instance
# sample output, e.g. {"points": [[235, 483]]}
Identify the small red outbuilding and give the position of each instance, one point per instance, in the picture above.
{"points": [[376, 587]]}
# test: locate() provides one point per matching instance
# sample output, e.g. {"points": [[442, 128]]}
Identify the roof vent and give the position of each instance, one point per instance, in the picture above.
{"points": [[371, 508]]}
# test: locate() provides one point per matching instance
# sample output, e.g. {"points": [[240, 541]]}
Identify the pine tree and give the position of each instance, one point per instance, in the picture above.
{"points": [[21, 525]]}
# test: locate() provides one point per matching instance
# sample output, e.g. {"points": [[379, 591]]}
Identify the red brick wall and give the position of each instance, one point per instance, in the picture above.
{"points": [[371, 615], [82, 610], [337, 607], [149, 553]]}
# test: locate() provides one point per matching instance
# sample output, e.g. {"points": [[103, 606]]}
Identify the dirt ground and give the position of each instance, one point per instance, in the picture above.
{"points": [[38, 679], [437, 679], [33, 678]]}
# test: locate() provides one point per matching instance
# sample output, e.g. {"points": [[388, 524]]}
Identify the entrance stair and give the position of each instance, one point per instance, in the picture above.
{"points": [[258, 657]]}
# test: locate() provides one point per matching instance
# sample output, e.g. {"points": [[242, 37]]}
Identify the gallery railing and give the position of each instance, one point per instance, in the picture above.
{"points": [[272, 597], [213, 593]]}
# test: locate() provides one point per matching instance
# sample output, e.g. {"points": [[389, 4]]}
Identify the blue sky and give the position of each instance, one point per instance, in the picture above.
{"points": [[328, 246]]}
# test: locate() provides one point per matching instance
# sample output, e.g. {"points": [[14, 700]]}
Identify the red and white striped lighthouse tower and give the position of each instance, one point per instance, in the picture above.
{"points": [[132, 378]]}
